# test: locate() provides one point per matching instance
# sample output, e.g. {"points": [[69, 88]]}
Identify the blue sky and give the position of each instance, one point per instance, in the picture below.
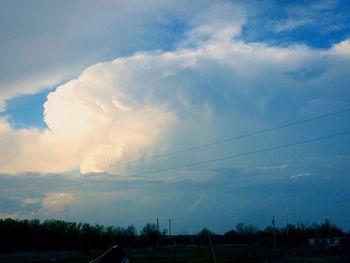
{"points": [[91, 91]]}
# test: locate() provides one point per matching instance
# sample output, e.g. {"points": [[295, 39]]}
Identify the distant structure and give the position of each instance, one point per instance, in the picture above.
{"points": [[274, 230], [333, 243], [170, 228]]}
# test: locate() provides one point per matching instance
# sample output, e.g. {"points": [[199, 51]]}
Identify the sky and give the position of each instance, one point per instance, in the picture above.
{"points": [[208, 113]]}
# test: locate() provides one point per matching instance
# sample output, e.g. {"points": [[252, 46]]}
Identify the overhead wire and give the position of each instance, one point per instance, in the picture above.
{"points": [[230, 139], [193, 148], [249, 153], [227, 157]]}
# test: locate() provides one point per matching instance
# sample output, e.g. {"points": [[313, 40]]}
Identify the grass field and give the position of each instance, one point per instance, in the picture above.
{"points": [[203, 254], [230, 253]]}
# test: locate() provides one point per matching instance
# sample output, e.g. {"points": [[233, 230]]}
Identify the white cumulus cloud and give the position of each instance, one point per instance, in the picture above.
{"points": [[131, 107]]}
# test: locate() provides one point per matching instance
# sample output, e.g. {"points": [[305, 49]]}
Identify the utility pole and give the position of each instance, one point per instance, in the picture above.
{"points": [[170, 228], [157, 232], [274, 230]]}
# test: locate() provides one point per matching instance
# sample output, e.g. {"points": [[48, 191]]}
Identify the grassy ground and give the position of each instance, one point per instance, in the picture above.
{"points": [[203, 254], [237, 254]]}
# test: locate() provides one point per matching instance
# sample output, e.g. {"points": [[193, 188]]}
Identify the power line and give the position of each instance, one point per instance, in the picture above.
{"points": [[249, 153], [218, 159], [193, 148]]}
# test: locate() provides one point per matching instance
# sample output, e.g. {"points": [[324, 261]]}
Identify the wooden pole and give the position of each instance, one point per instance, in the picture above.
{"points": [[158, 232]]}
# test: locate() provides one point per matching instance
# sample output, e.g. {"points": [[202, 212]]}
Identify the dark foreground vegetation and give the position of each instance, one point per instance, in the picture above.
{"points": [[37, 241], [194, 254]]}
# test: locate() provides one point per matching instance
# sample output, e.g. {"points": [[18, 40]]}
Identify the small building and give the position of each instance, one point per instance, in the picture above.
{"points": [[321, 241], [333, 243]]}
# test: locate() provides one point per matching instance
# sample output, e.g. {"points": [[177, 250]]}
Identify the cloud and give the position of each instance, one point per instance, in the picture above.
{"points": [[33, 151], [18, 205], [274, 167], [57, 202], [30, 201], [252, 195], [219, 22], [323, 13], [302, 174], [146, 103], [342, 48], [5, 215], [55, 41], [292, 24]]}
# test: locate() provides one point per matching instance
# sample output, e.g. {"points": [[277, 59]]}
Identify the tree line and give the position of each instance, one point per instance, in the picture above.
{"points": [[17, 235]]}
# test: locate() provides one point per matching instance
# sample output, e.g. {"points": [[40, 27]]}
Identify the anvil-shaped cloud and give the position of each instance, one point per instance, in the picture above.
{"points": [[129, 108]]}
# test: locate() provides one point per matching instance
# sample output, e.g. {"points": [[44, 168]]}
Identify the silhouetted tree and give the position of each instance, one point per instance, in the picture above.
{"points": [[230, 236], [246, 233], [204, 234], [149, 233], [58, 235]]}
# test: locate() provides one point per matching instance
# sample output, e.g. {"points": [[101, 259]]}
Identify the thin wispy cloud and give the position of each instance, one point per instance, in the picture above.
{"points": [[321, 14]]}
